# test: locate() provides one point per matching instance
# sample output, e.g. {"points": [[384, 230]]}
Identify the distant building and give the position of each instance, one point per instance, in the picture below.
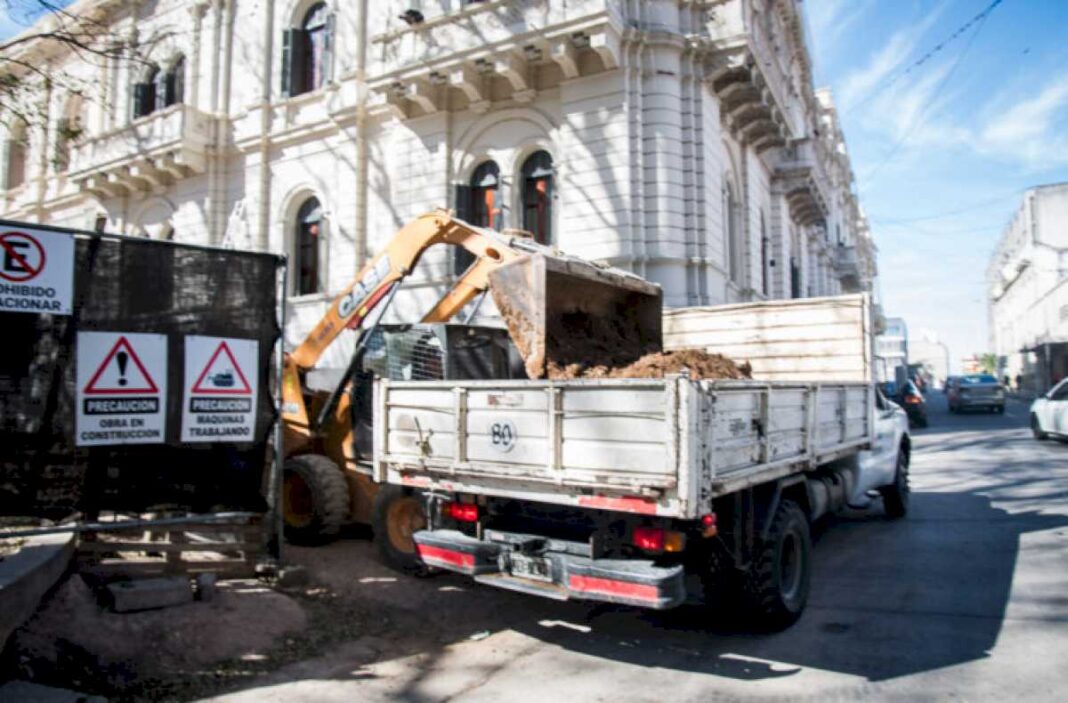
{"points": [[1028, 290], [930, 354], [892, 350], [971, 364]]}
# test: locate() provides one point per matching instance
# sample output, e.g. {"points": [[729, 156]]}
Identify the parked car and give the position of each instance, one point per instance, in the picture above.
{"points": [[976, 390], [1049, 413], [909, 397]]}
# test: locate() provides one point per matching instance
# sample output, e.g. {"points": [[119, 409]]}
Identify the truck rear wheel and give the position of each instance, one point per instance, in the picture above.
{"points": [[315, 499], [896, 495], [775, 589], [396, 516]]}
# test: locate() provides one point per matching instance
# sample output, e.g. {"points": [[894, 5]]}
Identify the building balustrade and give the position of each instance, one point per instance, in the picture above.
{"points": [[146, 155], [491, 51]]}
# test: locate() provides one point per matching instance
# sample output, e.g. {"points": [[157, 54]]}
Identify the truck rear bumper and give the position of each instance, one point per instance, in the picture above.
{"points": [[625, 581]]}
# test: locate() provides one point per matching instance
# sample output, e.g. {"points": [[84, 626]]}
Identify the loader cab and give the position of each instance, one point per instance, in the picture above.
{"points": [[428, 352]]}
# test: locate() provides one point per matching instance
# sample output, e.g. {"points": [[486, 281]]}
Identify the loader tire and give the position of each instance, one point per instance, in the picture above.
{"points": [[315, 499], [896, 495], [776, 586], [397, 514]]}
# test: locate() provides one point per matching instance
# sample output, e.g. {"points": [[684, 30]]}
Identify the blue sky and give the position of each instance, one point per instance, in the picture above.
{"points": [[942, 154]]}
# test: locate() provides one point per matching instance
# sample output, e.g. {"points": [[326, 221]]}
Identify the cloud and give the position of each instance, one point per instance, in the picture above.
{"points": [[1018, 126], [894, 54], [829, 19], [1028, 130]]}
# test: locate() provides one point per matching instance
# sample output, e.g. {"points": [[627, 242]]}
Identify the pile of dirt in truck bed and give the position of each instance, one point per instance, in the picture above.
{"points": [[698, 363]]}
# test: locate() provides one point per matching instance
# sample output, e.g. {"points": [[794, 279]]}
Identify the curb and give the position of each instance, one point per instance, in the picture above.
{"points": [[28, 574]]}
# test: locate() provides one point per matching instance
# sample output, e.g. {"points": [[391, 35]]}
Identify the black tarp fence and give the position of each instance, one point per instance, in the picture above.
{"points": [[134, 285]]}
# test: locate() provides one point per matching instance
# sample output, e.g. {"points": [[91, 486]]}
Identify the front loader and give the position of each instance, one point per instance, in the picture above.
{"points": [[553, 306]]}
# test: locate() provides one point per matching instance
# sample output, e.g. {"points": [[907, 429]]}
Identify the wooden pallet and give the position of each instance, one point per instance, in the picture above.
{"points": [[228, 550]]}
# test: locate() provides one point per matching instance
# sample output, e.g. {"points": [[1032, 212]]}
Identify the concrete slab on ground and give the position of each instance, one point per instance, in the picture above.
{"points": [[28, 574]]}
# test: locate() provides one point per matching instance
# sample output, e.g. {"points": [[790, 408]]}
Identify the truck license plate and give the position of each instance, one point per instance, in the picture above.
{"points": [[536, 568]]}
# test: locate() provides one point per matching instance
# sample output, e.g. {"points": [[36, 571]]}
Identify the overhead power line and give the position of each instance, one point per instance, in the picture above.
{"points": [[921, 111], [940, 46], [970, 207]]}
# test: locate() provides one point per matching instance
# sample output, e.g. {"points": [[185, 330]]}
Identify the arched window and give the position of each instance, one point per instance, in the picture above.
{"points": [[306, 247], [479, 204], [307, 51], [537, 176], [485, 194], [174, 83], [15, 157]]}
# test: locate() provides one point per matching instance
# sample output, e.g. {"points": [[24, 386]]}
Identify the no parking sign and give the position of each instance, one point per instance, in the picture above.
{"points": [[36, 271]]}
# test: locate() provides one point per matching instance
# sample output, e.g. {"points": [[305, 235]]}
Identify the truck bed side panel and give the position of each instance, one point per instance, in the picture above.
{"points": [[663, 446]]}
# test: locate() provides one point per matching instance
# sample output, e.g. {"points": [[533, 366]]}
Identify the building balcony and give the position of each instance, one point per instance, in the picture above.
{"points": [[147, 155], [749, 69], [801, 177], [749, 105], [493, 50], [848, 269]]}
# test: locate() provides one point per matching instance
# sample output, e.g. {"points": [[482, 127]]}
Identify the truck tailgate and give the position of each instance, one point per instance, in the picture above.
{"points": [[612, 435]]}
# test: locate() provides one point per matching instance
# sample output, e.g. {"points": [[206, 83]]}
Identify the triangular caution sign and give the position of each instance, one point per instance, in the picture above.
{"points": [[222, 375], [121, 373]]}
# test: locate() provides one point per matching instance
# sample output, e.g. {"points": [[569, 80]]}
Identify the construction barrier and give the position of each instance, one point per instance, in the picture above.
{"points": [[135, 374]]}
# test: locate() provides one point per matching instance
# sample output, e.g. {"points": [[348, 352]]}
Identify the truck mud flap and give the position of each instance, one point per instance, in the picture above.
{"points": [[625, 581]]}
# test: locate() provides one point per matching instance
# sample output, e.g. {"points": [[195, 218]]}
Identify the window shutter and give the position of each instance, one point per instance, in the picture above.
{"points": [[328, 49], [176, 84], [288, 40], [143, 97], [5, 164], [462, 258]]}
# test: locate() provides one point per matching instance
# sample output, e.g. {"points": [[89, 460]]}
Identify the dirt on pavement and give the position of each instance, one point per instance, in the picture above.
{"points": [[75, 641]]}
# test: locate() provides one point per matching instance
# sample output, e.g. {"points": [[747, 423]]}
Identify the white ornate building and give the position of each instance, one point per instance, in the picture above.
{"points": [[681, 139], [1028, 290]]}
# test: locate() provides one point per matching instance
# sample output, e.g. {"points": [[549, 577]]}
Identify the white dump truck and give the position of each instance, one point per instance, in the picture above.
{"points": [[651, 492]]}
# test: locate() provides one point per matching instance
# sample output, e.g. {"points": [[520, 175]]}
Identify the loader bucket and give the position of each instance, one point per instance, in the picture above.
{"points": [[563, 311]]}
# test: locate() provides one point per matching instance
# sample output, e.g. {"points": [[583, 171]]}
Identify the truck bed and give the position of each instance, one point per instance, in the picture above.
{"points": [[653, 446]]}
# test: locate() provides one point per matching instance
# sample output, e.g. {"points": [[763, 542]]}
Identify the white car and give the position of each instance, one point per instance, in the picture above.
{"points": [[1049, 413], [885, 468]]}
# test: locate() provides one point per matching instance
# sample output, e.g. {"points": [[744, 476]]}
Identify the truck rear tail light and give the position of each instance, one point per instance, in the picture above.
{"points": [[657, 539], [463, 512]]}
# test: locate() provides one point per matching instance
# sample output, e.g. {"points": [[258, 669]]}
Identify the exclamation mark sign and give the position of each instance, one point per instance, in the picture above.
{"points": [[121, 358]]}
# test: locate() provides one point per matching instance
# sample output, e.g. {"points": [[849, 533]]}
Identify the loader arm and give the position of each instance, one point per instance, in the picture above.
{"points": [[388, 268]]}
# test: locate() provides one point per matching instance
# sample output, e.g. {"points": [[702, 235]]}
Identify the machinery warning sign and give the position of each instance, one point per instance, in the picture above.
{"points": [[219, 403], [122, 388], [36, 271]]}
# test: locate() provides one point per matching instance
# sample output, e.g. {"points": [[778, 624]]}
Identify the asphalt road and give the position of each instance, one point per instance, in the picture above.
{"points": [[966, 598]]}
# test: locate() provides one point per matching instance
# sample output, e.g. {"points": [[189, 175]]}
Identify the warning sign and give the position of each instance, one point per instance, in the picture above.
{"points": [[36, 271], [122, 388], [219, 403]]}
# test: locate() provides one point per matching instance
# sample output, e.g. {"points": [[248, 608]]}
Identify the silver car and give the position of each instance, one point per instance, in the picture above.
{"points": [[976, 390], [1049, 413]]}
